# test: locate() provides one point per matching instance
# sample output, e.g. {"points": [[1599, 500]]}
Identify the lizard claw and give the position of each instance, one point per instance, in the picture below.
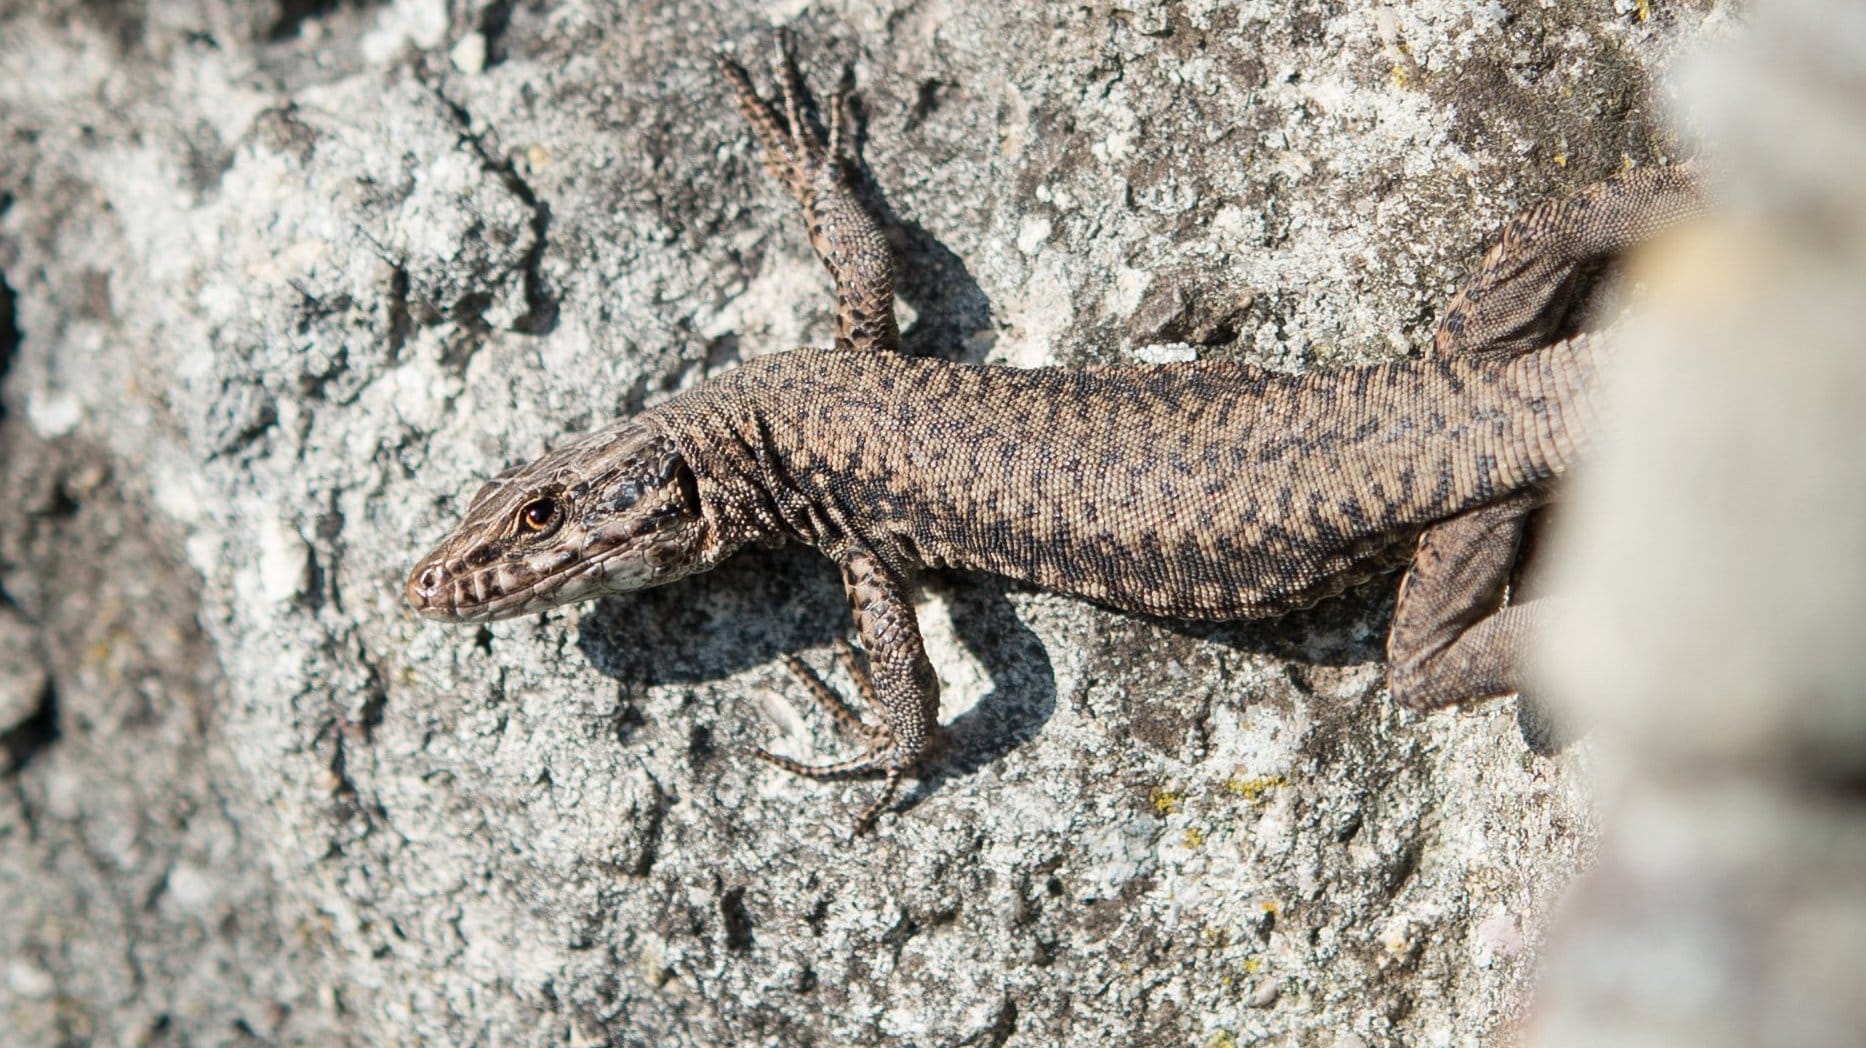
{"points": [[878, 752], [809, 164], [795, 151], [875, 759]]}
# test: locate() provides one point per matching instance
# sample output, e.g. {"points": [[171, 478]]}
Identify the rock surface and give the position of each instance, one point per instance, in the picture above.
{"points": [[286, 280]]}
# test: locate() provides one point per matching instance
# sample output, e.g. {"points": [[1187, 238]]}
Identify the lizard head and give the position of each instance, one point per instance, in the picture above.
{"points": [[611, 512]]}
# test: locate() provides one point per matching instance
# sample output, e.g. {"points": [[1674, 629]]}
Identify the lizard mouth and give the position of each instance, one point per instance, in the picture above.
{"points": [[461, 594], [500, 592], [480, 596]]}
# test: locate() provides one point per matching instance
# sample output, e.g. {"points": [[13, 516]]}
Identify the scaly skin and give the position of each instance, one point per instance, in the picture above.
{"points": [[1199, 491]]}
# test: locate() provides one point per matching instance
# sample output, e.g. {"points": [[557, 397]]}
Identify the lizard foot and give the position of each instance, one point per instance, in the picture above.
{"points": [[878, 751], [810, 166], [795, 152]]}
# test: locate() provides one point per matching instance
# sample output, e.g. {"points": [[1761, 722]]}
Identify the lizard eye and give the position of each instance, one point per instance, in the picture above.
{"points": [[539, 514]]}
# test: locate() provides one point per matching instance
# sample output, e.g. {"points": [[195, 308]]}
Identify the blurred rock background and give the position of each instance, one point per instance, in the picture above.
{"points": [[1717, 564]]}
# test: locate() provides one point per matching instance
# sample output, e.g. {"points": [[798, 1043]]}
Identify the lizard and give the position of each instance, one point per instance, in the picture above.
{"points": [[1205, 490]]}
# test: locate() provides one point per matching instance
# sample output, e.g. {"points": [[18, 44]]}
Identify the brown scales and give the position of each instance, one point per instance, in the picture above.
{"points": [[1200, 491]]}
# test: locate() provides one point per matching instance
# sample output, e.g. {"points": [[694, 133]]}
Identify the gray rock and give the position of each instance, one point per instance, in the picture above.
{"points": [[292, 278]]}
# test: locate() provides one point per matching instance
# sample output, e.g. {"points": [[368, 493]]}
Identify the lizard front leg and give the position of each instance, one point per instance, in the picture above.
{"points": [[843, 233], [899, 685]]}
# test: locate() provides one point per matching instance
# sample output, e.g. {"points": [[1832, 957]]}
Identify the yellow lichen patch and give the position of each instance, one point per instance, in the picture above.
{"points": [[1165, 801], [1643, 10], [1222, 1039], [1194, 837], [1406, 70], [1253, 787], [1252, 965]]}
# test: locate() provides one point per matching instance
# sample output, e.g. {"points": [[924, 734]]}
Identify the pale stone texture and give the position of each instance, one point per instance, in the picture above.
{"points": [[292, 278]]}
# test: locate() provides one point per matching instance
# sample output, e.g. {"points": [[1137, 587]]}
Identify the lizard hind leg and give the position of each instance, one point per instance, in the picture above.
{"points": [[1453, 639], [1533, 281], [878, 751]]}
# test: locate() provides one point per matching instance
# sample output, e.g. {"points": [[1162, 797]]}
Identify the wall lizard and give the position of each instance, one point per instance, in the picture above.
{"points": [[1202, 490]]}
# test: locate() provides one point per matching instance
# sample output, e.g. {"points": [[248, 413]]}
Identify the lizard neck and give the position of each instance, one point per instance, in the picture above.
{"points": [[725, 431]]}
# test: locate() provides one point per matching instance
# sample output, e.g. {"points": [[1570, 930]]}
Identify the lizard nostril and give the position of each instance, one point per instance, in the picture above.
{"points": [[430, 580]]}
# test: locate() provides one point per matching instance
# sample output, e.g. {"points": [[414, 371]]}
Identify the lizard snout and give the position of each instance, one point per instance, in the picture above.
{"points": [[428, 587]]}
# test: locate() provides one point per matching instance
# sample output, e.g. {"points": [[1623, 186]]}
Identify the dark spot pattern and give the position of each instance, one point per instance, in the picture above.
{"points": [[925, 462]]}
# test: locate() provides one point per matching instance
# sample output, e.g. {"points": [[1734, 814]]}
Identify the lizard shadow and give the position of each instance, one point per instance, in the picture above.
{"points": [[764, 604], [950, 309], [768, 603], [1023, 682], [753, 608], [1348, 630]]}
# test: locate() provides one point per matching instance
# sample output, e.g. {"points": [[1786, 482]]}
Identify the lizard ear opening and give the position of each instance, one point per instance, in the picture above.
{"points": [[675, 477], [689, 488]]}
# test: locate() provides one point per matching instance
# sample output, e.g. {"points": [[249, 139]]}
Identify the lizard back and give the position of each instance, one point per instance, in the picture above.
{"points": [[1199, 490]]}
